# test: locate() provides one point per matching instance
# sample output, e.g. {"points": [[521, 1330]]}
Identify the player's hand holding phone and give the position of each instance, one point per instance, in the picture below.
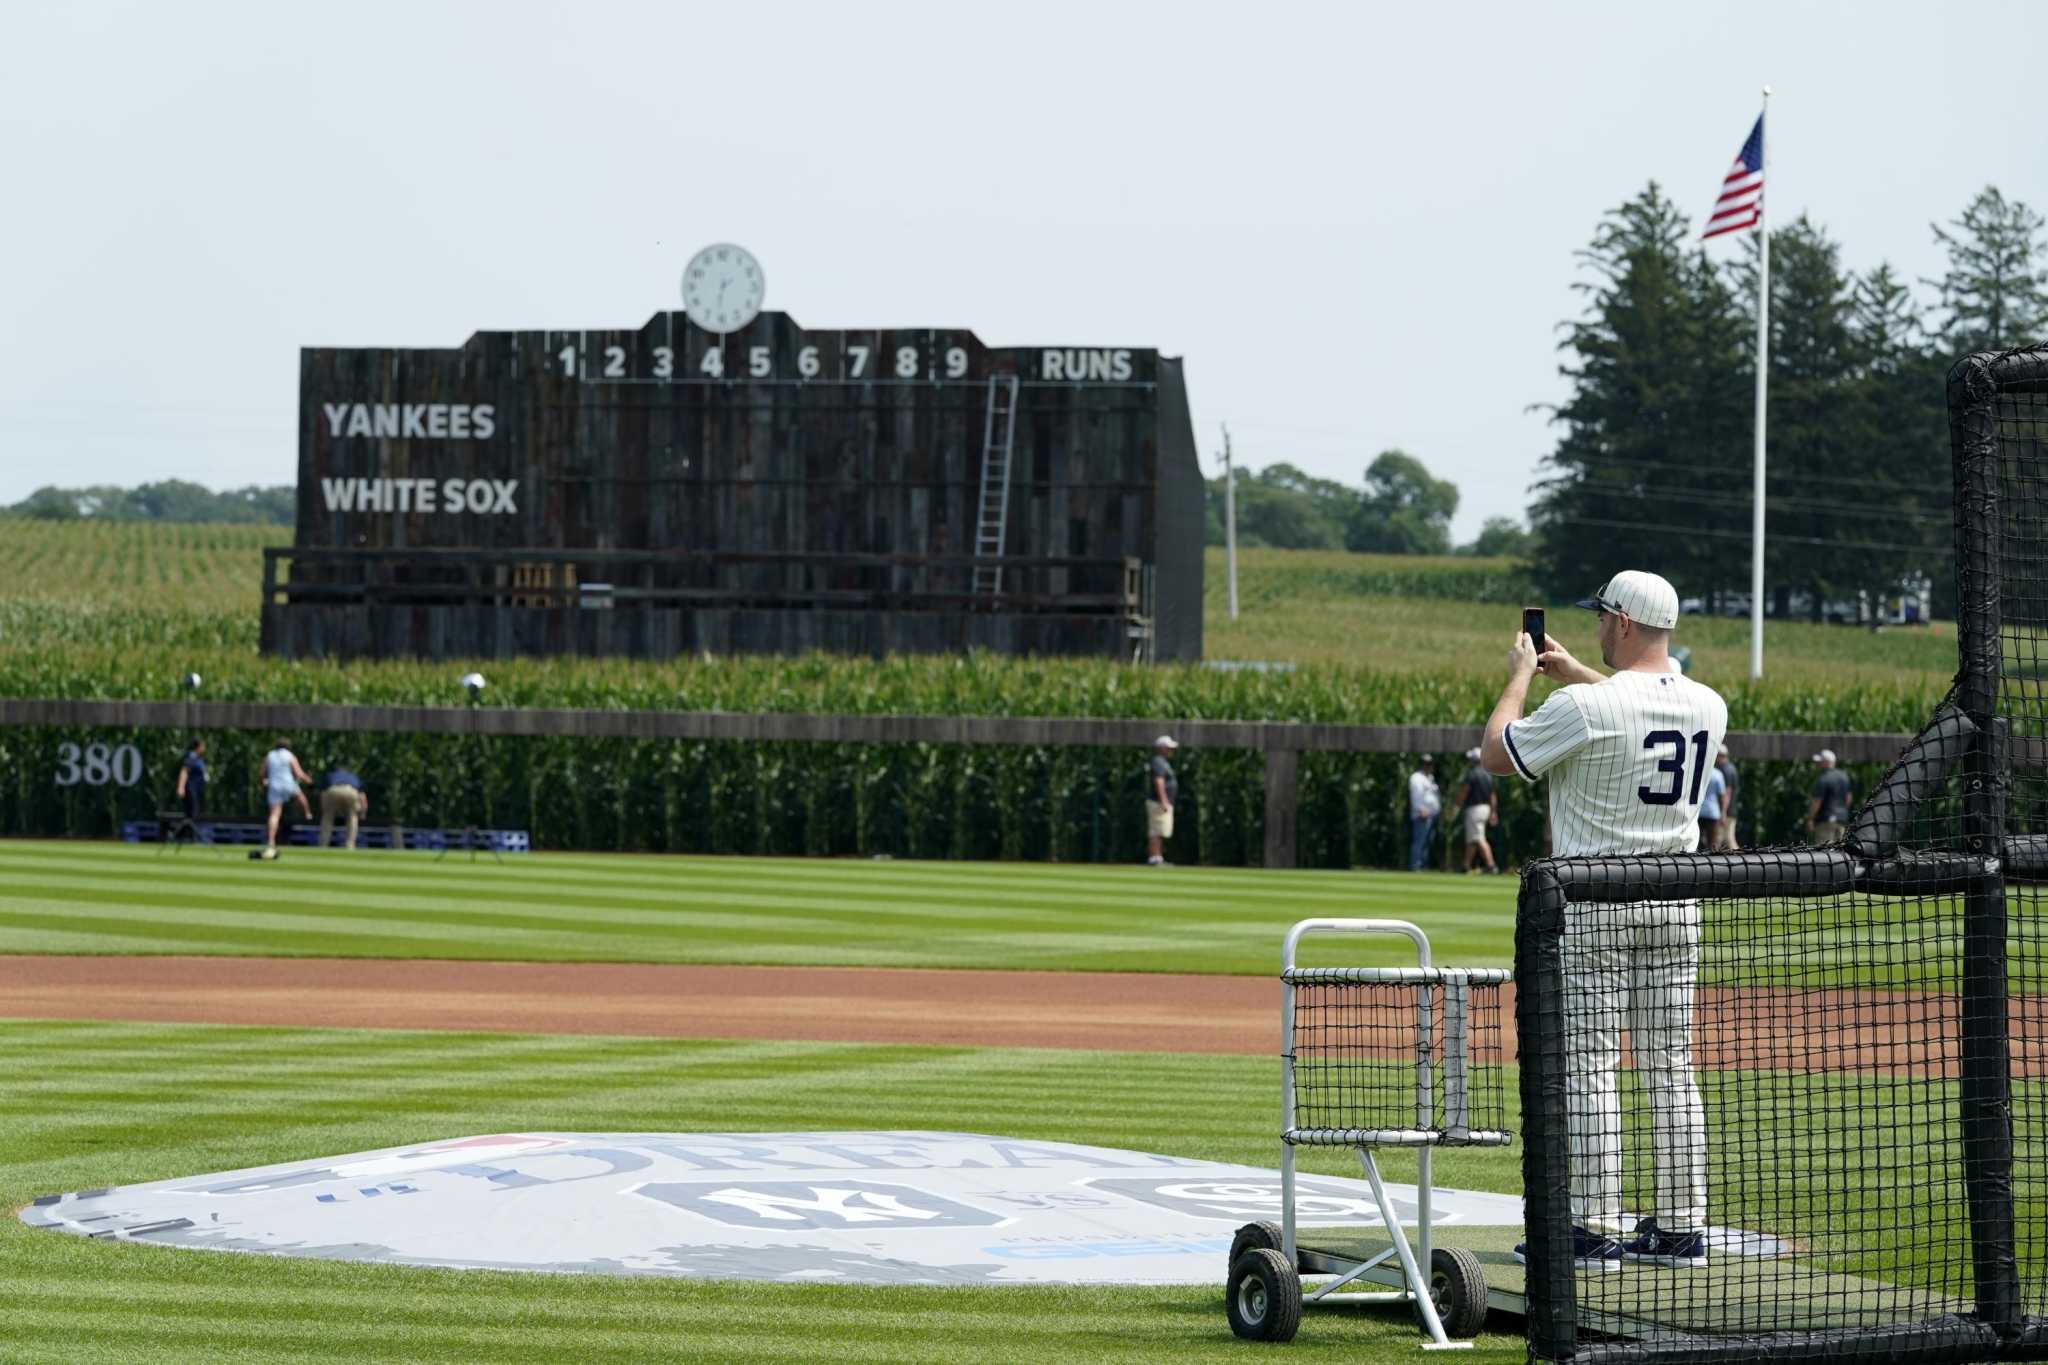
{"points": [[1521, 656]]}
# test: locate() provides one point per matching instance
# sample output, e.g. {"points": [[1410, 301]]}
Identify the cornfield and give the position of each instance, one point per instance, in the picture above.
{"points": [[124, 611]]}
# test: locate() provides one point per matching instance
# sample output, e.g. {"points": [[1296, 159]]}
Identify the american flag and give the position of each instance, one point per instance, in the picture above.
{"points": [[1741, 204]]}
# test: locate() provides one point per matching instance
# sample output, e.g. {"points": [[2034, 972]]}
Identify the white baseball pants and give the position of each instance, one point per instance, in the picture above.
{"points": [[1633, 966]]}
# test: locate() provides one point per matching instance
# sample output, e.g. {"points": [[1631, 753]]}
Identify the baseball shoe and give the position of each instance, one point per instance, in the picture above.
{"points": [[1654, 1246], [1590, 1251], [1155, 861]]}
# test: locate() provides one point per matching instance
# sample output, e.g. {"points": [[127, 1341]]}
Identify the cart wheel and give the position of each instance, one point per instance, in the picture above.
{"points": [[1252, 1236], [1263, 1297], [1457, 1286]]}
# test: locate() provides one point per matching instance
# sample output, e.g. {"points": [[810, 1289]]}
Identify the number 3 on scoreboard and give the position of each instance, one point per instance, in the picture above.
{"points": [[1673, 763]]}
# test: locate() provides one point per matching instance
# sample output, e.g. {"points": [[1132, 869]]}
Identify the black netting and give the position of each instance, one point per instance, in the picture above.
{"points": [[2017, 565], [1826, 1062], [1416, 1061]]}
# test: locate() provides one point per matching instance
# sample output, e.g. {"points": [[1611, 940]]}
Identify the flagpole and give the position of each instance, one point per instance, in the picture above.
{"points": [[1230, 520], [1763, 369]]}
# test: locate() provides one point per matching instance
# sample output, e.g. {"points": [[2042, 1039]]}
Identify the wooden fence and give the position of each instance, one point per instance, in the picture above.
{"points": [[1281, 743]]}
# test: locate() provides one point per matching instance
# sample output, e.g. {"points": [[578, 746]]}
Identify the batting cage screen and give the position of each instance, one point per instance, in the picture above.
{"points": [[1803, 1087]]}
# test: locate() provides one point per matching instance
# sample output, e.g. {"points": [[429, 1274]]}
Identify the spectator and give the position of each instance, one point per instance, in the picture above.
{"points": [[1478, 808], [1827, 815], [343, 796], [1713, 809], [1424, 802], [1162, 788], [192, 779], [191, 791], [281, 778], [1725, 766]]}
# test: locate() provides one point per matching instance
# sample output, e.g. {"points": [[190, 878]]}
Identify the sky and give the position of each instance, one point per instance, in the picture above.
{"points": [[1356, 222]]}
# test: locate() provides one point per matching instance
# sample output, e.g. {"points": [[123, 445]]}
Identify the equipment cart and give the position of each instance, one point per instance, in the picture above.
{"points": [[1377, 1057]]}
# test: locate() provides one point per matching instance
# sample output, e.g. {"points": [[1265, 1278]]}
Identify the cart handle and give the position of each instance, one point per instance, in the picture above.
{"points": [[1353, 926]]}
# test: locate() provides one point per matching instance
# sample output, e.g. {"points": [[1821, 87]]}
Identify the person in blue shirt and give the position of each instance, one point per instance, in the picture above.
{"points": [[1712, 802], [192, 779], [343, 796]]}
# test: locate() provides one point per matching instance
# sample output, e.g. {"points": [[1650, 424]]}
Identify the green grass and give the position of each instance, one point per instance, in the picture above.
{"points": [[75, 897], [1330, 607], [71, 897], [83, 1105], [87, 1104]]}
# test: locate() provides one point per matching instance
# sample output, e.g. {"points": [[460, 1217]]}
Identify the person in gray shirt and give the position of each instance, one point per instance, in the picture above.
{"points": [[1827, 815], [1162, 789]]}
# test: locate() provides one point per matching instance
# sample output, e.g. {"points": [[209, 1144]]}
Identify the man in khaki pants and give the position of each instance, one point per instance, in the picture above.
{"points": [[1161, 789], [343, 796]]}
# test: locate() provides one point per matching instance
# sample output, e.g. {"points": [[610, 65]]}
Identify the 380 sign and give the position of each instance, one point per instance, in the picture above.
{"points": [[96, 765]]}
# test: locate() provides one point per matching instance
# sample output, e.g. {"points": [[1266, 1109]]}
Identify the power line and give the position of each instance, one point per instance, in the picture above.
{"points": [[1666, 467], [1887, 511], [1666, 528]]}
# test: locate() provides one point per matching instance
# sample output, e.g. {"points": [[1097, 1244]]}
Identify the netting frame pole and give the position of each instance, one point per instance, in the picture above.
{"points": [[1985, 1088], [1546, 1161]]}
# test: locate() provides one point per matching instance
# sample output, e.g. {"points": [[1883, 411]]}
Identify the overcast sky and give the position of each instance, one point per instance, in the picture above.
{"points": [[1356, 222]]}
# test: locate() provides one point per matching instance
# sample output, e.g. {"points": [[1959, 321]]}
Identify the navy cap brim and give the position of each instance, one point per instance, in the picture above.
{"points": [[1590, 604]]}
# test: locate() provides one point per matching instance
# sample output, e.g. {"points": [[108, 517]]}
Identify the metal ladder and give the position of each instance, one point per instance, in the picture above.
{"points": [[992, 515]]}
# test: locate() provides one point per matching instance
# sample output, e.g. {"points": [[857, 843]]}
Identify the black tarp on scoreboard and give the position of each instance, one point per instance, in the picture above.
{"points": [[670, 490]]}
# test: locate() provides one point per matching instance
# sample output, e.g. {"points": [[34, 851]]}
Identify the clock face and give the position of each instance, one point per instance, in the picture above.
{"points": [[722, 288]]}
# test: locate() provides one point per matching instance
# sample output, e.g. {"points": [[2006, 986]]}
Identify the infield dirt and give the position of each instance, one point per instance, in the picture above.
{"points": [[1757, 1028]]}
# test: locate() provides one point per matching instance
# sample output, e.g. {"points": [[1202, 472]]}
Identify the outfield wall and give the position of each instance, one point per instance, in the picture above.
{"points": [[1252, 794]]}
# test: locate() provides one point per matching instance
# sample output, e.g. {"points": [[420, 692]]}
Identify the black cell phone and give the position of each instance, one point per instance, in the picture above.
{"points": [[1532, 626]]}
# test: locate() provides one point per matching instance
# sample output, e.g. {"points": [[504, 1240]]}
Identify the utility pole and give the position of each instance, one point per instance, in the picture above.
{"points": [[1230, 521]]}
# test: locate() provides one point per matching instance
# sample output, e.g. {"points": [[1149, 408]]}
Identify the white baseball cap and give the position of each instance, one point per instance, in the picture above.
{"points": [[1644, 598], [1472, 753], [1824, 756], [1165, 742]]}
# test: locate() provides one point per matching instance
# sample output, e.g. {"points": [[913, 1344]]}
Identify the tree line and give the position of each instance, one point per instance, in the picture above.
{"points": [[167, 500], [1402, 509], [1653, 465]]}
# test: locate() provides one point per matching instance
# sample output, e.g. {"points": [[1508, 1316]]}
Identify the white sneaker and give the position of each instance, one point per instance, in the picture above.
{"points": [[1155, 861]]}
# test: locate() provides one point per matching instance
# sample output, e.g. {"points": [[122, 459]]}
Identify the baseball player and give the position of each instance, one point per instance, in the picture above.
{"points": [[1627, 757]]}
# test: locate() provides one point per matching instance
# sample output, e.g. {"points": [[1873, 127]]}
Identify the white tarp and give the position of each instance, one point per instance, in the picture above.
{"points": [[875, 1207]]}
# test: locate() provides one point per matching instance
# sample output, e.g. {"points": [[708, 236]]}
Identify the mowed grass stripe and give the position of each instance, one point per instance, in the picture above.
{"points": [[102, 898], [607, 907], [1019, 886], [128, 1103]]}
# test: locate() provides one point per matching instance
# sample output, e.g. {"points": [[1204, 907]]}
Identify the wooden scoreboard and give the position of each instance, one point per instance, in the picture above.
{"points": [[764, 488]]}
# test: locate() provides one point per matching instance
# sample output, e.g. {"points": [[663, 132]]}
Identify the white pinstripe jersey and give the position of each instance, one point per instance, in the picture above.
{"points": [[1627, 759]]}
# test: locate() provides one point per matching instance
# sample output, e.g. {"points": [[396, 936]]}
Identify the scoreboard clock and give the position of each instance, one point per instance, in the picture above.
{"points": [[724, 479], [723, 287]]}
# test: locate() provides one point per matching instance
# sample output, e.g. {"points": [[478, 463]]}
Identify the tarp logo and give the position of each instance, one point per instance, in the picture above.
{"points": [[794, 1206], [1253, 1199]]}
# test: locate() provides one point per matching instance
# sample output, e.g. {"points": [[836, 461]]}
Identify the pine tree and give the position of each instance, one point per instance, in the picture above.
{"points": [[1658, 406], [1902, 425], [1812, 440], [1996, 289]]}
